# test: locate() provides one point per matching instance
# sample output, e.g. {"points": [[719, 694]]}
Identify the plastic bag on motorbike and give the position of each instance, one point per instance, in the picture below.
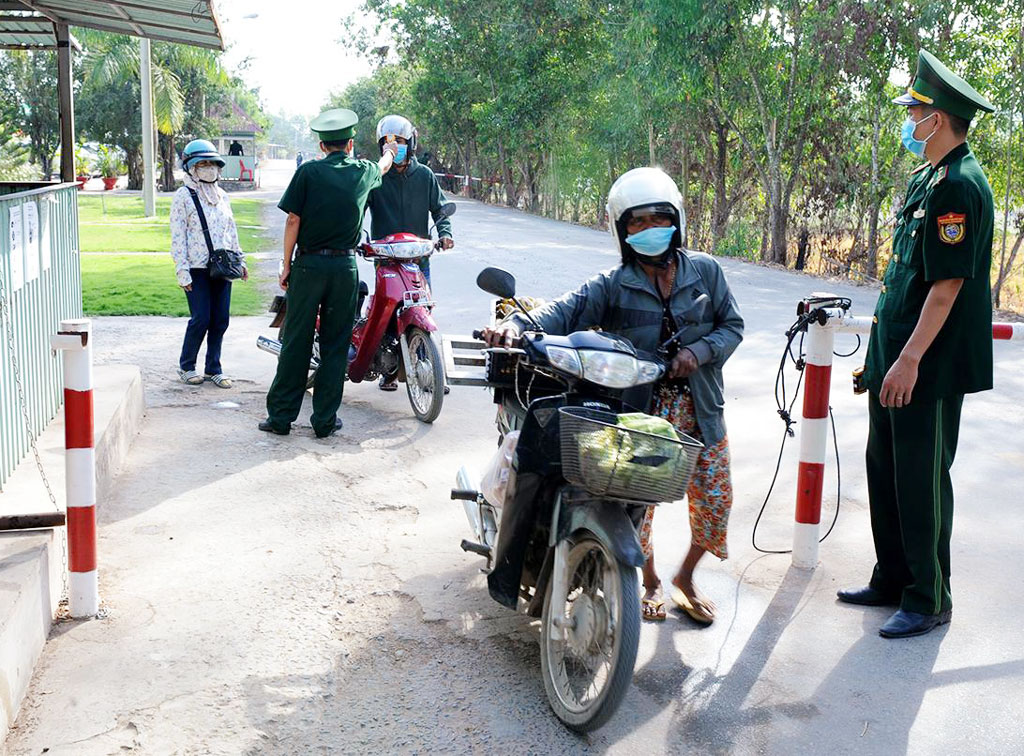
{"points": [[495, 481]]}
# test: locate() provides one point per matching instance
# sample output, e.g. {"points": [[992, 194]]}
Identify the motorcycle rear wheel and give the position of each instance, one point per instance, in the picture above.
{"points": [[424, 376], [597, 650]]}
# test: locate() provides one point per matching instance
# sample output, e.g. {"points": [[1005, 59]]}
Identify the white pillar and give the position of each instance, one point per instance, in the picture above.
{"points": [[148, 161]]}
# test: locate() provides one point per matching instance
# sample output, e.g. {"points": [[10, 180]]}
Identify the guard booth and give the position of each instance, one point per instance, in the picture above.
{"points": [[242, 169]]}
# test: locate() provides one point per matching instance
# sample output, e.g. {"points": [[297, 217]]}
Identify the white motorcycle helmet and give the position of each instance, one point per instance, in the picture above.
{"points": [[644, 191], [396, 125]]}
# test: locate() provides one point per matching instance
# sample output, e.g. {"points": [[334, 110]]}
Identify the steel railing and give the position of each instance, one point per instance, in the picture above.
{"points": [[41, 286]]}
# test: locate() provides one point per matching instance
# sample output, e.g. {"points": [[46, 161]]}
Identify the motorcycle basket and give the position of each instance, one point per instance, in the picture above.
{"points": [[612, 461]]}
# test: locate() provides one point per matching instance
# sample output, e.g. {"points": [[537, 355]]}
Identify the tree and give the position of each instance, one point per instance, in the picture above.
{"points": [[28, 88]]}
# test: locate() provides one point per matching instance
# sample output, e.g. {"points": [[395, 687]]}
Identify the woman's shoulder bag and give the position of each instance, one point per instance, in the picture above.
{"points": [[224, 263]]}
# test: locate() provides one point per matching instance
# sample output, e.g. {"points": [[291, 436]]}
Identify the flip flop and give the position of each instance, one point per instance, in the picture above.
{"points": [[696, 613], [652, 610], [391, 385]]}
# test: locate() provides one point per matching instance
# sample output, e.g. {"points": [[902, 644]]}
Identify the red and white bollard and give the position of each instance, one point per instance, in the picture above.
{"points": [[75, 344], [815, 421]]}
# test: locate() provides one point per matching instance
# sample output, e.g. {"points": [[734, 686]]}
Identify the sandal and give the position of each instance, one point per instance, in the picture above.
{"points": [[695, 611], [191, 377], [652, 610], [219, 380], [388, 383]]}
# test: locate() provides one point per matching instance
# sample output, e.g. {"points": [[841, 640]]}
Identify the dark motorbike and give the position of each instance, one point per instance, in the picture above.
{"points": [[564, 537]]}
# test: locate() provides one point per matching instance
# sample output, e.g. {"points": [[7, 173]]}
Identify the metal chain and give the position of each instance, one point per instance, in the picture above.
{"points": [[5, 316]]}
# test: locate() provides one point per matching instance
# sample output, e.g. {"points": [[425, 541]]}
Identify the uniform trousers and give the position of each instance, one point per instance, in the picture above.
{"points": [[327, 286], [909, 453]]}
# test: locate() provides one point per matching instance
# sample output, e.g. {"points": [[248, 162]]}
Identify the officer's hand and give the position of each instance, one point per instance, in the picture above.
{"points": [[447, 242], [186, 287], [502, 336], [899, 383], [245, 274], [282, 279], [683, 365]]}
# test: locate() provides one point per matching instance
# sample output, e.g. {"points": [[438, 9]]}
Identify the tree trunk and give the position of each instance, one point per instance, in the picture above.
{"points": [[801, 252], [720, 208], [167, 160], [133, 159], [650, 142], [871, 266]]}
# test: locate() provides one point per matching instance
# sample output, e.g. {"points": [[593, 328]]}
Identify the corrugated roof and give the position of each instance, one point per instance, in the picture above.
{"points": [[29, 23]]}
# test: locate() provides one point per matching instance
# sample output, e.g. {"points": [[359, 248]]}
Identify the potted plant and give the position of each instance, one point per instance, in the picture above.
{"points": [[110, 165], [82, 168]]}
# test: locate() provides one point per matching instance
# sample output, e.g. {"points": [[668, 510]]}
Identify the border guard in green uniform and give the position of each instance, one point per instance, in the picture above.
{"points": [[325, 202], [930, 344]]}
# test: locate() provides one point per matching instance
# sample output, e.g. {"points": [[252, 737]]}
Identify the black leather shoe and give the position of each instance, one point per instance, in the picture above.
{"points": [[867, 596], [906, 624], [267, 427], [332, 431]]}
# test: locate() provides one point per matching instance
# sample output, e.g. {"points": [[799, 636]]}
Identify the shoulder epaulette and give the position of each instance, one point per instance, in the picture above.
{"points": [[920, 168]]}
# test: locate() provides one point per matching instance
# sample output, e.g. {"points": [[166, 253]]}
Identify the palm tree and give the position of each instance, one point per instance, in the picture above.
{"points": [[112, 60]]}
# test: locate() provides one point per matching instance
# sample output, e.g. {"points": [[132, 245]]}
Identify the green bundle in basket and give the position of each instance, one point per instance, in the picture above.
{"points": [[633, 456]]}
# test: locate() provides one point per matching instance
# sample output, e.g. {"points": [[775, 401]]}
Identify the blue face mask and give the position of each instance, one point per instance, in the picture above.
{"points": [[403, 150], [652, 241], [916, 146]]}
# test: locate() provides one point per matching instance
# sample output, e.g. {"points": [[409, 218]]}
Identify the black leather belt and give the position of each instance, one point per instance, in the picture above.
{"points": [[327, 252]]}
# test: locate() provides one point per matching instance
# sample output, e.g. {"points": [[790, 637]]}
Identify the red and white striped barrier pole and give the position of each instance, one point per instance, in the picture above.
{"points": [[814, 434], [813, 443], [75, 344]]}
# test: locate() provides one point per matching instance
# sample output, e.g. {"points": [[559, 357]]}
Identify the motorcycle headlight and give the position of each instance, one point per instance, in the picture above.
{"points": [[566, 360], [610, 369], [649, 372]]}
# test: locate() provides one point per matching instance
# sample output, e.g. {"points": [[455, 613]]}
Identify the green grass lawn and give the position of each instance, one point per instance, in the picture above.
{"points": [[119, 284], [115, 223], [146, 285]]}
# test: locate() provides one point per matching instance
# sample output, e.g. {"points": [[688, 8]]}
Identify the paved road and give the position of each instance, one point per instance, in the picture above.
{"points": [[291, 595]]}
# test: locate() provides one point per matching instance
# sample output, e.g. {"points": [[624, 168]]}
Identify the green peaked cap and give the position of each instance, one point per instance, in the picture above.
{"points": [[936, 85], [335, 125]]}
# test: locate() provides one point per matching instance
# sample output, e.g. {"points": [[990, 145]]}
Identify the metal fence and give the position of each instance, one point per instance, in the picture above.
{"points": [[42, 285]]}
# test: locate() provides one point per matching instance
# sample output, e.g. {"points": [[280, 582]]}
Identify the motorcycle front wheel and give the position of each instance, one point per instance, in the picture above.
{"points": [[424, 376], [587, 662]]}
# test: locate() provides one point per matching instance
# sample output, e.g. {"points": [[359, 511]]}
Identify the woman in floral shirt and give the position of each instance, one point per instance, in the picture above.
{"points": [[209, 299]]}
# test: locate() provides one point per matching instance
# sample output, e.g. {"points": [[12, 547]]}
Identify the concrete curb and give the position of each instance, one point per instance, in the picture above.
{"points": [[31, 562]]}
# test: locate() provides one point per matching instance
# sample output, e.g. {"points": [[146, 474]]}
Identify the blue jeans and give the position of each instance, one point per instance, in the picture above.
{"points": [[209, 304]]}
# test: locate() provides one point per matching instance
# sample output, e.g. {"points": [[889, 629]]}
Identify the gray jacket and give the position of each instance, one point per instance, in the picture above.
{"points": [[623, 301]]}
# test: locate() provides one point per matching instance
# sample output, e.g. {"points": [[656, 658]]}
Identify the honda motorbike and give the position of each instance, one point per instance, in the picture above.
{"points": [[560, 534], [394, 333]]}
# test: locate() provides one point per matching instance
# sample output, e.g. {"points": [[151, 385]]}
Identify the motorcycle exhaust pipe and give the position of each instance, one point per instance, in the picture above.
{"points": [[272, 346]]}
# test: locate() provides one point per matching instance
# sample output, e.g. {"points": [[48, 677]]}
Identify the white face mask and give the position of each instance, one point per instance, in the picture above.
{"points": [[208, 174]]}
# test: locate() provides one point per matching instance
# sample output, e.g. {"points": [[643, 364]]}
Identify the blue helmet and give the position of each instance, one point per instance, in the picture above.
{"points": [[200, 149]]}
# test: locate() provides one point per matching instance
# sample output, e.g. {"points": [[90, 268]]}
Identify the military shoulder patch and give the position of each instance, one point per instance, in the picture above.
{"points": [[952, 227]]}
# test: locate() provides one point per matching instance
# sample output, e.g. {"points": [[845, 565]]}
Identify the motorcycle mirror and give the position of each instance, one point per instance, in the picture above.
{"points": [[447, 210], [498, 282]]}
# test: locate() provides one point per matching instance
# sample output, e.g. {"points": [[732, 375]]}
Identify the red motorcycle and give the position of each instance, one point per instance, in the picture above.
{"points": [[395, 335]]}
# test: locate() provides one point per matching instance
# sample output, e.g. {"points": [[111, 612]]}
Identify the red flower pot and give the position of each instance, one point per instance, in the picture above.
{"points": [[109, 182], [81, 181]]}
